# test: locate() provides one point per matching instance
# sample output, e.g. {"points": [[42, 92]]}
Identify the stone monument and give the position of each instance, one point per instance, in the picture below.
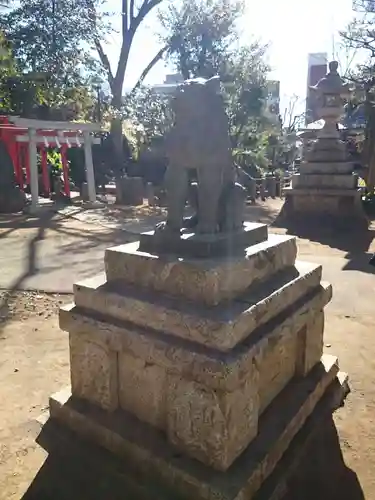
{"points": [[198, 358], [199, 143], [326, 187]]}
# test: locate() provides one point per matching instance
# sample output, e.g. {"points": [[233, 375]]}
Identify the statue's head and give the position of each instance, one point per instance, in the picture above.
{"points": [[197, 96]]}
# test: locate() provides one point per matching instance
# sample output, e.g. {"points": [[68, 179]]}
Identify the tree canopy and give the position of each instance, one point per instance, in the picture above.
{"points": [[203, 40], [51, 37], [199, 34], [58, 55], [360, 35]]}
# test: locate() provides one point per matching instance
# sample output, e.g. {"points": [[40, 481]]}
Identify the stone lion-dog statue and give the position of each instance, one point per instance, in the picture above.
{"points": [[199, 141]]}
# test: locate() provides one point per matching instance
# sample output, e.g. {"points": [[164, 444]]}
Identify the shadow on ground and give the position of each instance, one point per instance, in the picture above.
{"points": [[322, 473], [72, 241], [76, 469], [356, 241]]}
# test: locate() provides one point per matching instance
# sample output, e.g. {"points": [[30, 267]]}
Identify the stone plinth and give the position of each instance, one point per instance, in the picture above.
{"points": [[339, 206], [325, 167], [326, 192], [261, 471], [200, 280], [201, 245], [325, 181], [219, 359], [218, 327]]}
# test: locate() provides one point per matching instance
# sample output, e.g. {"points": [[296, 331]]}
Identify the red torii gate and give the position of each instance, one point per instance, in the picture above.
{"points": [[16, 140]]}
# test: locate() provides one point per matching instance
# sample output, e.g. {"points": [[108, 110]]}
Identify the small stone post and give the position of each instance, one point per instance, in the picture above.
{"points": [[272, 187], [263, 189], [252, 188], [85, 192], [89, 167]]}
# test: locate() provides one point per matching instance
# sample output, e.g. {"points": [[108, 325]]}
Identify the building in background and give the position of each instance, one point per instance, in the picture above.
{"points": [[317, 69], [169, 85]]}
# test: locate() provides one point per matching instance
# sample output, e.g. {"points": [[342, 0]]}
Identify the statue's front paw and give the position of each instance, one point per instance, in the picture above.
{"points": [[166, 231], [161, 227]]}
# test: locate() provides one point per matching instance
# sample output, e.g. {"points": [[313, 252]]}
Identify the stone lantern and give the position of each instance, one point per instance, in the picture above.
{"points": [[326, 189], [331, 92]]}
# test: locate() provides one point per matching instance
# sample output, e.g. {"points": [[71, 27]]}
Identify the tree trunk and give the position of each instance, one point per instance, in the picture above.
{"points": [[116, 140]]}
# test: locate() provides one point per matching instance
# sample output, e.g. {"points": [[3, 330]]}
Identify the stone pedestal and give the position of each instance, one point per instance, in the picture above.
{"points": [[327, 193], [200, 371]]}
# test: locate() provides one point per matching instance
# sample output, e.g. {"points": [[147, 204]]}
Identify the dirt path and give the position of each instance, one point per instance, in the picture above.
{"points": [[34, 359]]}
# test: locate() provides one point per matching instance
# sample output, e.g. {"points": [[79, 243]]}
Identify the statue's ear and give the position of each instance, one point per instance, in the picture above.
{"points": [[214, 83]]}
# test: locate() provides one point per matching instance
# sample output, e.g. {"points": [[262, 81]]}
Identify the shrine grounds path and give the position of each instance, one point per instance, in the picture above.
{"points": [[49, 254]]}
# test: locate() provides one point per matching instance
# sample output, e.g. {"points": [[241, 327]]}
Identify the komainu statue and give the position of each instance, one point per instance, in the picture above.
{"points": [[199, 141]]}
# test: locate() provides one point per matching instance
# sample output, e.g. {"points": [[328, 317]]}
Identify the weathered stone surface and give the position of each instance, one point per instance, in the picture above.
{"points": [[327, 149], [143, 389], [218, 370], [290, 355], [327, 167], [141, 445], [337, 203], [340, 181], [93, 370], [327, 155], [213, 426], [223, 371], [221, 327], [209, 422], [316, 192], [191, 244], [207, 281], [278, 366], [310, 340]]}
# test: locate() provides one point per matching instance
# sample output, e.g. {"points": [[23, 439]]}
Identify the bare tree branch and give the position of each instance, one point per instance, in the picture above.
{"points": [[105, 61], [144, 10], [149, 67], [128, 36], [132, 10], [125, 16]]}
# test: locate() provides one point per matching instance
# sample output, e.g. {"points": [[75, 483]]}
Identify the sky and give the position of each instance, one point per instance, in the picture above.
{"points": [[291, 28]]}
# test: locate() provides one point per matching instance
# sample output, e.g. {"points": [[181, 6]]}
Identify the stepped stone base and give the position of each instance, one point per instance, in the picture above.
{"points": [[199, 371], [339, 207], [168, 382], [209, 281], [326, 181], [221, 327], [266, 457], [327, 167]]}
